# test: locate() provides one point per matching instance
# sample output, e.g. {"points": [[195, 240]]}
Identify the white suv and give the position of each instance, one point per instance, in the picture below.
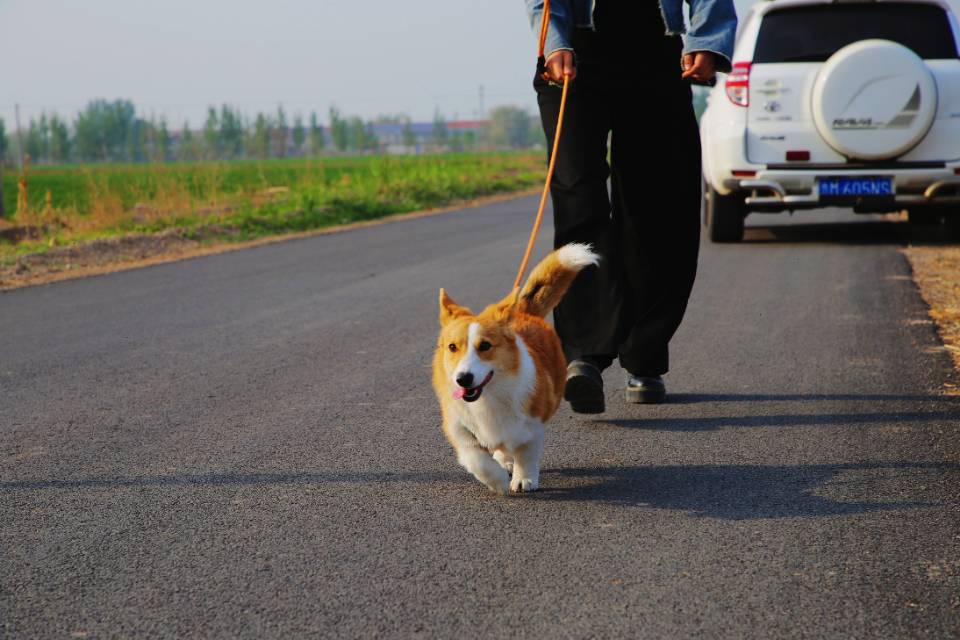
{"points": [[851, 104]]}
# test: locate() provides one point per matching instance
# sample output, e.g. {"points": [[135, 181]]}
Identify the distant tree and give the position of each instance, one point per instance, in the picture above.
{"points": [[231, 132], [370, 140], [510, 127], [59, 140], [280, 134], [103, 129], [33, 142], [4, 143], [130, 143], [162, 141], [299, 134], [47, 139], [91, 135], [260, 140], [152, 151], [440, 131], [44, 129], [249, 150], [138, 140], [339, 130], [317, 141], [187, 147], [124, 126], [211, 134], [358, 134]]}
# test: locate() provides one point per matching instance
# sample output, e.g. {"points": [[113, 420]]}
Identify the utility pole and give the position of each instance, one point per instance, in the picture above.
{"points": [[480, 114], [16, 111]]}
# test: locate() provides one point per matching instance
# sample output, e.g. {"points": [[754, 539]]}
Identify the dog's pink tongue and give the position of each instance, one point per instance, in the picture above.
{"points": [[459, 392]]}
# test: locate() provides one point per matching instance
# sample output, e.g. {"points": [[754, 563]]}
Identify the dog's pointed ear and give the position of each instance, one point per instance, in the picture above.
{"points": [[450, 309], [506, 309]]}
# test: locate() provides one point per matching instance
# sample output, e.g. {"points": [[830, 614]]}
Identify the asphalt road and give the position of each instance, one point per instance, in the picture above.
{"points": [[247, 445]]}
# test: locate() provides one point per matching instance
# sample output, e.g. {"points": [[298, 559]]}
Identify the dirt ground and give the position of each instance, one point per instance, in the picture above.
{"points": [[936, 270]]}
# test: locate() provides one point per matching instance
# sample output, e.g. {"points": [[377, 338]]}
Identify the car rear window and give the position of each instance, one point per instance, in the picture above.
{"points": [[814, 33]]}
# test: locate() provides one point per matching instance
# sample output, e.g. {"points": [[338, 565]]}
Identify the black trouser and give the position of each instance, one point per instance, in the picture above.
{"points": [[647, 230]]}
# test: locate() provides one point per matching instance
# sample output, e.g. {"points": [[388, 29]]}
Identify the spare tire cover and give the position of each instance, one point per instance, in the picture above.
{"points": [[874, 99]]}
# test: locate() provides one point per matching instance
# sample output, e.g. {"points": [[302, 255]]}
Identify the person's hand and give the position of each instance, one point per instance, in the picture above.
{"points": [[560, 63], [700, 65]]}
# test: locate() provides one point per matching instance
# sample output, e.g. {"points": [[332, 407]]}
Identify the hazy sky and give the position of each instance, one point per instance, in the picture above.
{"points": [[173, 58]]}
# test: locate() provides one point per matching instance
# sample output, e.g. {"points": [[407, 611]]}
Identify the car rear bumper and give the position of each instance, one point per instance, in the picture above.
{"points": [[776, 190]]}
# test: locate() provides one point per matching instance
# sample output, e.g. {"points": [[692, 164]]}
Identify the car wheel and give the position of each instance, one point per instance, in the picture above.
{"points": [[723, 215]]}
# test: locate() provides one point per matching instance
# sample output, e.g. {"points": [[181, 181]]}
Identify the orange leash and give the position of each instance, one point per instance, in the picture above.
{"points": [[553, 154], [546, 187], [544, 25]]}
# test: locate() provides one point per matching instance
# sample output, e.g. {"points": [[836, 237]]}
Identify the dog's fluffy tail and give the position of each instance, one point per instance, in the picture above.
{"points": [[549, 280]]}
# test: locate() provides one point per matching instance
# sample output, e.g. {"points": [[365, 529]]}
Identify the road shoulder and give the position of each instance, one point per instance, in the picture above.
{"points": [[936, 272]]}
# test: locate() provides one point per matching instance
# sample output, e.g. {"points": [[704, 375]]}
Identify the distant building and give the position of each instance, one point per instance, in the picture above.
{"points": [[463, 126], [391, 137]]}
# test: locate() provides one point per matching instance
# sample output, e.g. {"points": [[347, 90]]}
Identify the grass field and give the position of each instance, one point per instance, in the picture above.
{"points": [[248, 199]]}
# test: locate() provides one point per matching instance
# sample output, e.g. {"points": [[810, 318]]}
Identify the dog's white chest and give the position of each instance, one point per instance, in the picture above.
{"points": [[494, 422]]}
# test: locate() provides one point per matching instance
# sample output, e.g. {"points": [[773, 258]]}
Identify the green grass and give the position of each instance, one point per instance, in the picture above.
{"points": [[249, 199]]}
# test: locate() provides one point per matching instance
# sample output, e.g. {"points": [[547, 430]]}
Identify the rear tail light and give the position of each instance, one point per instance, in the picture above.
{"points": [[738, 84], [744, 173], [798, 156]]}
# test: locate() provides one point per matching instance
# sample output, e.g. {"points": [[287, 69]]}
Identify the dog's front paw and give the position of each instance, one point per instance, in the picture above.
{"points": [[504, 460], [498, 483], [524, 485]]}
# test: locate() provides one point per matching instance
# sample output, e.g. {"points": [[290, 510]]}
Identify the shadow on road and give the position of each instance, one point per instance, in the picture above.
{"points": [[867, 232], [693, 398], [229, 479], [742, 492], [701, 423], [734, 492]]}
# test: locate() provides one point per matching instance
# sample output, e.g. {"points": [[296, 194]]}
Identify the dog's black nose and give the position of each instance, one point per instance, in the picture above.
{"points": [[465, 380]]}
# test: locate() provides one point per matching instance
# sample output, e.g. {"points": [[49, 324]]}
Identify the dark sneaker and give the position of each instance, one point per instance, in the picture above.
{"points": [[645, 389], [584, 388]]}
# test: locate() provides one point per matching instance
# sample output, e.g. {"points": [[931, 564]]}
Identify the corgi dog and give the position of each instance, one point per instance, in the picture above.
{"points": [[499, 375]]}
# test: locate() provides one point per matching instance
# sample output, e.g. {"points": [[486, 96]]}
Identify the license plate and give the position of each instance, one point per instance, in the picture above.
{"points": [[846, 187]]}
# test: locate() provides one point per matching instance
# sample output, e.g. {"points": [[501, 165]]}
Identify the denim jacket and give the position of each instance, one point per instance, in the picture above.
{"points": [[713, 24]]}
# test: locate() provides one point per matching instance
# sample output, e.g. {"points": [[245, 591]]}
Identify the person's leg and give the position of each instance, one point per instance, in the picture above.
{"points": [[586, 319], [655, 159]]}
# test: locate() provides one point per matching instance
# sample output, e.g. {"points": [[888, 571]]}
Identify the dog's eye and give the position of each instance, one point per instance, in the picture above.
{"points": [[483, 346], [452, 347]]}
